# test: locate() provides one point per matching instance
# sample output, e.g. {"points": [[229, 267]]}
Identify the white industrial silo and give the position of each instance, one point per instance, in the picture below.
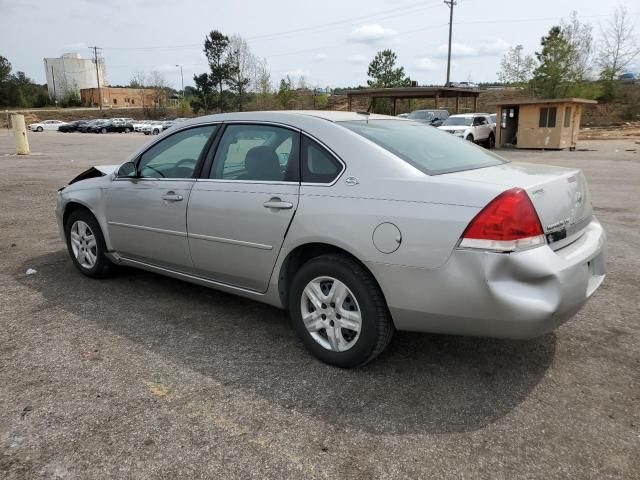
{"points": [[72, 72]]}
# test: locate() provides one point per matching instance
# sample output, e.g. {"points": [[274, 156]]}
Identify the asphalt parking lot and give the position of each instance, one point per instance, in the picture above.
{"points": [[141, 376]]}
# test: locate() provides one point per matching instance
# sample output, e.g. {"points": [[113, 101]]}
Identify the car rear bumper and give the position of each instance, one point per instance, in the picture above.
{"points": [[518, 295]]}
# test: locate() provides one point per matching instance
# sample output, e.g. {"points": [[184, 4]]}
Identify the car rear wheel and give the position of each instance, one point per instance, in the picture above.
{"points": [[156, 131], [103, 130], [339, 312], [127, 130], [86, 245]]}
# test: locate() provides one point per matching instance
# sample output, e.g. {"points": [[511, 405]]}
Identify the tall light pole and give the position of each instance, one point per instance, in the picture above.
{"points": [[450, 4], [181, 80]]}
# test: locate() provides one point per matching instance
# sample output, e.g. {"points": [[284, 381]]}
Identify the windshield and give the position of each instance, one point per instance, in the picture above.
{"points": [[430, 150], [464, 121], [421, 115]]}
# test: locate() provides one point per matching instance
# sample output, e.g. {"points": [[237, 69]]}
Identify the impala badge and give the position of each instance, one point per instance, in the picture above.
{"points": [[351, 181]]}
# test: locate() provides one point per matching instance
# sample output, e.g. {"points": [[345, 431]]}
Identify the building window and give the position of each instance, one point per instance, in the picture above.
{"points": [[547, 117], [115, 101], [133, 102], [567, 116]]}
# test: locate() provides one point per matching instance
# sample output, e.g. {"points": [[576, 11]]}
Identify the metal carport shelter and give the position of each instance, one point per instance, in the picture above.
{"points": [[436, 93]]}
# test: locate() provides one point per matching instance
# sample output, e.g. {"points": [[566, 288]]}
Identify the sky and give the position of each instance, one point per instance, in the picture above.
{"points": [[330, 42]]}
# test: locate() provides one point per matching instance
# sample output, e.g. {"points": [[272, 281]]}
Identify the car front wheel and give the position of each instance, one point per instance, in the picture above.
{"points": [[86, 245], [39, 129], [469, 138], [339, 312]]}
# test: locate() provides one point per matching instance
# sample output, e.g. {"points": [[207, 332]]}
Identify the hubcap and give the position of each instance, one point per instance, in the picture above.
{"points": [[331, 314], [83, 244]]}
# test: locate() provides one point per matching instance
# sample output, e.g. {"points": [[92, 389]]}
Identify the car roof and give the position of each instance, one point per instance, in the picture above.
{"points": [[289, 116], [469, 114]]}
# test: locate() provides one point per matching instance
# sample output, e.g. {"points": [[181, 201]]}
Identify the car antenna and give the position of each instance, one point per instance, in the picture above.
{"points": [[364, 113]]}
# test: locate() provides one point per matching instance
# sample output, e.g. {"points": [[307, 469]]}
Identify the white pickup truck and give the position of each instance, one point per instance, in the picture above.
{"points": [[475, 127]]}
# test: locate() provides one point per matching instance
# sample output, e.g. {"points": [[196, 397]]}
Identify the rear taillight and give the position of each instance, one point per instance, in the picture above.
{"points": [[507, 224]]}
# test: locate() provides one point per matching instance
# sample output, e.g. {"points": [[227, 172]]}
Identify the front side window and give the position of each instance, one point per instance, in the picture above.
{"points": [[547, 117], [175, 156], [318, 165], [428, 149], [257, 153]]}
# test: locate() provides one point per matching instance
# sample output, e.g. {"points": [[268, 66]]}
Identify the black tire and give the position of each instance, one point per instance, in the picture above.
{"points": [[491, 141], [102, 266], [469, 138], [377, 326], [127, 130], [156, 132], [39, 129], [103, 130]]}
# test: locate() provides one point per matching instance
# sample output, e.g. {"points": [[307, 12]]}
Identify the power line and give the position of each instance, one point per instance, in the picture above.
{"points": [[407, 10]]}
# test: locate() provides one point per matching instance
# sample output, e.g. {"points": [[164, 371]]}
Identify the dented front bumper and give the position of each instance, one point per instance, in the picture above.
{"points": [[517, 295]]}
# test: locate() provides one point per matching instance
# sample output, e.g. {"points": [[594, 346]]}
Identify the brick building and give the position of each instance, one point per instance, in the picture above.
{"points": [[116, 97]]}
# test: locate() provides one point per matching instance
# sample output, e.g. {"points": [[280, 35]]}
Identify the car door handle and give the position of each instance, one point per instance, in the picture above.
{"points": [[172, 197], [278, 204]]}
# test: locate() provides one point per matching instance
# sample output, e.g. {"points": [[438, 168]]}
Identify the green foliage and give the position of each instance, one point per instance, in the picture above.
{"points": [[71, 99], [383, 72], [516, 68], [216, 50], [564, 61], [286, 93], [18, 90], [204, 97]]}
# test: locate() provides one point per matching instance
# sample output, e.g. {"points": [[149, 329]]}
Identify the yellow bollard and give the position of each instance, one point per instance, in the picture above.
{"points": [[20, 134]]}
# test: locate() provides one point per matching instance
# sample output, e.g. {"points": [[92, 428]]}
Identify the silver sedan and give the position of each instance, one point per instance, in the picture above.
{"points": [[358, 224]]}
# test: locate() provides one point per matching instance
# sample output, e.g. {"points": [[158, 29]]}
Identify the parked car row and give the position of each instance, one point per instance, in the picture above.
{"points": [[475, 127], [106, 125]]}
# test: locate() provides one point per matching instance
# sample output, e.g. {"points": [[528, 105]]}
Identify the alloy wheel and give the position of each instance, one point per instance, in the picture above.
{"points": [[331, 314], [83, 244]]}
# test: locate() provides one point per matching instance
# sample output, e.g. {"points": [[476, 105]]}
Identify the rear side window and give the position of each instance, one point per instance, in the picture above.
{"points": [[428, 149], [318, 165]]}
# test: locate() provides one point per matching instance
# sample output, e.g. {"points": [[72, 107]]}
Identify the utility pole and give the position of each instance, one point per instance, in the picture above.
{"points": [[53, 81], [95, 60], [182, 80], [450, 4]]}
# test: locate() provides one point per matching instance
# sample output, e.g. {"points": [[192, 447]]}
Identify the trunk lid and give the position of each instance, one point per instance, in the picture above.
{"points": [[560, 195]]}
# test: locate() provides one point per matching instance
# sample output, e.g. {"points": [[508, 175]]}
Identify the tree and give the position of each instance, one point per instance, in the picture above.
{"points": [[285, 93], [242, 66], [18, 90], [204, 93], [516, 68], [5, 69], [618, 49], [564, 61], [216, 50], [262, 86], [383, 72]]}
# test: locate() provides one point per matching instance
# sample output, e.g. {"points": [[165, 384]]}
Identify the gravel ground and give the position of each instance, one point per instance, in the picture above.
{"points": [[140, 376]]}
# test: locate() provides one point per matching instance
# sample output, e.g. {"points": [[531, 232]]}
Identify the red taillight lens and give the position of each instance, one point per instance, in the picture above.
{"points": [[508, 223]]}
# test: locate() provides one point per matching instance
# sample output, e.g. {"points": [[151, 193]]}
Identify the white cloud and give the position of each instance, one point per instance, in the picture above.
{"points": [[496, 47], [297, 73], [425, 64], [319, 57], [357, 59], [372, 34], [489, 48]]}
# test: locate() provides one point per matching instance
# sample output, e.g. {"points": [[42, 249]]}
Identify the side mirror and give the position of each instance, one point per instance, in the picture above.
{"points": [[128, 170]]}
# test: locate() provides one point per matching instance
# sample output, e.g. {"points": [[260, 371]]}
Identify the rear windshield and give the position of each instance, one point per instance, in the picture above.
{"points": [[466, 121], [430, 150], [421, 115]]}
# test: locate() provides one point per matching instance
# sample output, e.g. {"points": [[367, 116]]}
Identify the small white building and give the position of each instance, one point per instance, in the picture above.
{"points": [[72, 72]]}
